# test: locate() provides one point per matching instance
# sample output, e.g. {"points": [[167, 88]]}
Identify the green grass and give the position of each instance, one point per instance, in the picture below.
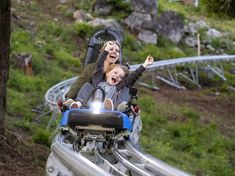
{"points": [[178, 137]]}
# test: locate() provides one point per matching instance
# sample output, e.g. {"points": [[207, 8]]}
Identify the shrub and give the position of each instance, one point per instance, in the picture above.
{"points": [[18, 104], [65, 59], [120, 6], [24, 125], [222, 6], [25, 83], [84, 4], [83, 29], [221, 43], [131, 43], [21, 41], [163, 41], [42, 136]]}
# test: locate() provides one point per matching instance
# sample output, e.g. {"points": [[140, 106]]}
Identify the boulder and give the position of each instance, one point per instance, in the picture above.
{"points": [[148, 37], [135, 20], [146, 6], [171, 26], [108, 23]]}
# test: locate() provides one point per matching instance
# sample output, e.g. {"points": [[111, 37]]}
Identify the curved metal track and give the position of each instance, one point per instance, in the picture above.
{"points": [[60, 89], [63, 160]]}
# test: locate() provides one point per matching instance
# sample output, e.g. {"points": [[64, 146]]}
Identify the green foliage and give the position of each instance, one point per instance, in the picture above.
{"points": [[84, 4], [21, 41], [184, 142], [183, 10], [42, 136], [203, 33], [164, 42], [121, 9], [130, 43], [222, 43], [24, 125], [54, 29], [190, 113], [120, 5], [231, 79], [209, 79], [65, 59], [18, 104], [83, 29], [25, 83], [226, 7]]}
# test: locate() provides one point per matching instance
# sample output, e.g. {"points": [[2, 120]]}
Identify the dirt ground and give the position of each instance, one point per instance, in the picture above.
{"points": [[19, 156]]}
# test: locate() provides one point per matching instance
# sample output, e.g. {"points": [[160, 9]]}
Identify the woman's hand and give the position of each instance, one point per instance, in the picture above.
{"points": [[109, 46], [149, 60]]}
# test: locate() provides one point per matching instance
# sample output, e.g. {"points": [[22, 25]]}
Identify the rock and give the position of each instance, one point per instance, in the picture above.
{"points": [[135, 20], [191, 41], [170, 25], [101, 7], [213, 33], [193, 28], [81, 16], [108, 23], [148, 37], [145, 7]]}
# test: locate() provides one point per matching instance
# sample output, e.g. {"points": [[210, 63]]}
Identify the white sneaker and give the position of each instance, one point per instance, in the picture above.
{"points": [[76, 104], [108, 104], [122, 106], [68, 102]]}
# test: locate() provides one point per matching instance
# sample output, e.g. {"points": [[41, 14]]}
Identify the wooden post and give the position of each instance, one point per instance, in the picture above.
{"points": [[198, 45]]}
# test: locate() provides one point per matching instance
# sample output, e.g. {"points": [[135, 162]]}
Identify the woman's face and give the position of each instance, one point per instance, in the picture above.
{"points": [[113, 55], [114, 76]]}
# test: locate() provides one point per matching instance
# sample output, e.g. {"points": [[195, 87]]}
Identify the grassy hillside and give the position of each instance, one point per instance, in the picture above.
{"points": [[174, 132]]}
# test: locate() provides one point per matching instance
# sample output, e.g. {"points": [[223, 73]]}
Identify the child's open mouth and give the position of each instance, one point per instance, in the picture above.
{"points": [[114, 80]]}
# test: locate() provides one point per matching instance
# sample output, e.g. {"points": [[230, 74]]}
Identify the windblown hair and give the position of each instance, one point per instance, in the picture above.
{"points": [[124, 68]]}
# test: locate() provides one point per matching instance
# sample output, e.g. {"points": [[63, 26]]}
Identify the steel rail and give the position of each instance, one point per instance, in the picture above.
{"points": [[185, 60], [105, 163], [59, 90], [131, 166], [77, 164], [153, 164]]}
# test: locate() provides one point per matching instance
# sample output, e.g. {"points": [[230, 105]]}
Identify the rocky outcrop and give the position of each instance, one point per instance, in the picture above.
{"points": [[171, 26], [145, 7]]}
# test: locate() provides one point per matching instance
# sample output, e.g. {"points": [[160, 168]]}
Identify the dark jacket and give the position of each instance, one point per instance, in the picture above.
{"points": [[85, 76]]}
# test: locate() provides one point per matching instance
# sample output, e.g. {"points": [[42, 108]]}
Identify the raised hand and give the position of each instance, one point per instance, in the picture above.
{"points": [[149, 60], [109, 45]]}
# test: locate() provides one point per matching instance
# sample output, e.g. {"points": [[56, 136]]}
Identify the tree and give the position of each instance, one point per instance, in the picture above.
{"points": [[5, 19]]}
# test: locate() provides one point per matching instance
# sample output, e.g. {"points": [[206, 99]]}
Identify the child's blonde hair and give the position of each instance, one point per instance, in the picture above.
{"points": [[124, 68]]}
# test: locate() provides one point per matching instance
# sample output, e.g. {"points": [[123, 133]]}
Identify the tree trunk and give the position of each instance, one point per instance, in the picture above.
{"points": [[5, 18]]}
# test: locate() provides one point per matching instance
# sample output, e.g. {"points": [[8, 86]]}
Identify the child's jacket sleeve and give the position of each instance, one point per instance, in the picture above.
{"points": [[130, 80]]}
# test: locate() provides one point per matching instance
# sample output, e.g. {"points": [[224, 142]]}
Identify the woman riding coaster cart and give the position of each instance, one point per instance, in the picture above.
{"points": [[112, 55], [115, 78]]}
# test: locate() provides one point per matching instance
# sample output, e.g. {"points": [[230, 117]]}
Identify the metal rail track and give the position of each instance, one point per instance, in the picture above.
{"points": [[63, 160], [59, 90]]}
